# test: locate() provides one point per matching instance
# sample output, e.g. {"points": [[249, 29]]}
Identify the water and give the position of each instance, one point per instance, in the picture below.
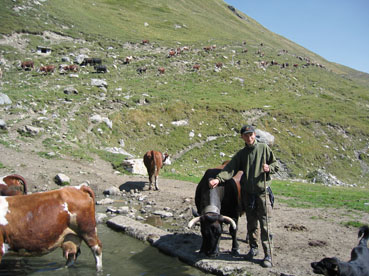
{"points": [[122, 255]]}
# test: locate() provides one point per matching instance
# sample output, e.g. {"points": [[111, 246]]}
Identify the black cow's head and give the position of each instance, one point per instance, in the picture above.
{"points": [[211, 230]]}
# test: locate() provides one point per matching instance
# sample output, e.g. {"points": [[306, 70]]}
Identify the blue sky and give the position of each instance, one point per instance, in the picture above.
{"points": [[337, 30]]}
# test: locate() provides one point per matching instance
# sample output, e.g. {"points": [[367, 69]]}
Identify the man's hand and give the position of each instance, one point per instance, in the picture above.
{"points": [[213, 183], [266, 168]]}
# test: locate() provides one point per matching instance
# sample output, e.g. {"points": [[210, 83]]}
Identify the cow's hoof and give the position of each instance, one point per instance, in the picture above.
{"points": [[235, 252]]}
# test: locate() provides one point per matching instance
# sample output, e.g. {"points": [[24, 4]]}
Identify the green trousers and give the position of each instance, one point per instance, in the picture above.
{"points": [[257, 213]]}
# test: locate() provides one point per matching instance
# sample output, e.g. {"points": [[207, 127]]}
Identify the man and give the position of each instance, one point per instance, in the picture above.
{"points": [[255, 160]]}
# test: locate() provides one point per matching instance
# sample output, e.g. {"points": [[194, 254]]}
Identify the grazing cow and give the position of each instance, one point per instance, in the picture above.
{"points": [[154, 161], [216, 206], [27, 65], [145, 41], [141, 70], [100, 68], [219, 65], [47, 69], [71, 67], [171, 53], [161, 70], [357, 266], [207, 48], [128, 60], [196, 67], [36, 224], [13, 184], [91, 61]]}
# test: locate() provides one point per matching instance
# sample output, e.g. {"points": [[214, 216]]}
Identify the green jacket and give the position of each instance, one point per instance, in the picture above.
{"points": [[250, 160]]}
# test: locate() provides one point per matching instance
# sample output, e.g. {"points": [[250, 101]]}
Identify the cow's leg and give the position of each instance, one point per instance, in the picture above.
{"points": [[150, 180], [2, 247], [233, 232], [157, 182], [95, 245]]}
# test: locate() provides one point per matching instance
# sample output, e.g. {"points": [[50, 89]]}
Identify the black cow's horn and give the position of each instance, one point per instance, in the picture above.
{"points": [[193, 221], [231, 221]]}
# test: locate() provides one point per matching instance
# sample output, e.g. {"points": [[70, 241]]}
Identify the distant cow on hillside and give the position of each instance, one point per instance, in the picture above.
{"points": [[154, 161], [100, 68], [27, 65], [161, 70], [91, 61], [47, 69]]}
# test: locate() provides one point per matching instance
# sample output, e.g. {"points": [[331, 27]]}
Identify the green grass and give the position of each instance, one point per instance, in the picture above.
{"points": [[319, 196]]}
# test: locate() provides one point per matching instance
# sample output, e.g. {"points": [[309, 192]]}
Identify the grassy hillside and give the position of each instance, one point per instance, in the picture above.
{"points": [[317, 113]]}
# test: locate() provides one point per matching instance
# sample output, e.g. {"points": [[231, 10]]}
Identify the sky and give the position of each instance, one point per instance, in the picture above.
{"points": [[337, 30]]}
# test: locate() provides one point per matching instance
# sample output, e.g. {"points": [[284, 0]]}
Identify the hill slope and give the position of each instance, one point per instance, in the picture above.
{"points": [[316, 110]]}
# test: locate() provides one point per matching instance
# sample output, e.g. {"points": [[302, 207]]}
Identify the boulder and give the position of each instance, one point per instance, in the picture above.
{"points": [[62, 179]]}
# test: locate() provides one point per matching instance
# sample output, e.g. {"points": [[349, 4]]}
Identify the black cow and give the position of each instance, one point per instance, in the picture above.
{"points": [[357, 266], [100, 68], [91, 61], [216, 206]]}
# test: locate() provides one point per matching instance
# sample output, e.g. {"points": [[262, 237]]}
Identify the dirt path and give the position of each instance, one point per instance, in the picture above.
{"points": [[301, 236]]}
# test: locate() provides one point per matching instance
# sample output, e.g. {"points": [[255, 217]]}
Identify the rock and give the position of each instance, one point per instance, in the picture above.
{"points": [[112, 191], [30, 130], [101, 218], [99, 83], [163, 214], [135, 166], [3, 124], [96, 118], [4, 99], [264, 137], [105, 201], [62, 180], [70, 90]]}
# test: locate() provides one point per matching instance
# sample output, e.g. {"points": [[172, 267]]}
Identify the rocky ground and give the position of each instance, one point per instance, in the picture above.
{"points": [[301, 236]]}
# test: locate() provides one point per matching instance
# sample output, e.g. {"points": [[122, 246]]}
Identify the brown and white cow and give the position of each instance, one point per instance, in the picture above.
{"points": [[36, 224], [154, 161], [13, 184], [47, 69]]}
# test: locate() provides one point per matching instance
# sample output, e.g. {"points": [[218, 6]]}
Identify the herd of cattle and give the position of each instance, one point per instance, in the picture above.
{"points": [[100, 68], [28, 65], [70, 218]]}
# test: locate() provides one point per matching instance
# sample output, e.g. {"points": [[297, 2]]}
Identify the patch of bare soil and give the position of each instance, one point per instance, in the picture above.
{"points": [[301, 236]]}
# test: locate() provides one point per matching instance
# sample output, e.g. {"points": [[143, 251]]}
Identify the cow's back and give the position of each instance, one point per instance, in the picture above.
{"points": [[230, 202]]}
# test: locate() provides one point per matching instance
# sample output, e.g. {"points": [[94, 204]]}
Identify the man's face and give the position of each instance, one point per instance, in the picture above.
{"points": [[249, 138]]}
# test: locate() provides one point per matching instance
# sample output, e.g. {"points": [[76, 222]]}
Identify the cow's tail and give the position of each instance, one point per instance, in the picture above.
{"points": [[21, 179], [88, 190], [364, 234]]}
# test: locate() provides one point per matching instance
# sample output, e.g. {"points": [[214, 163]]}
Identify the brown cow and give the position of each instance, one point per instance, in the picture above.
{"points": [[219, 65], [196, 67], [154, 161], [161, 70], [27, 65], [145, 41], [36, 224], [13, 184], [171, 53], [47, 69]]}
